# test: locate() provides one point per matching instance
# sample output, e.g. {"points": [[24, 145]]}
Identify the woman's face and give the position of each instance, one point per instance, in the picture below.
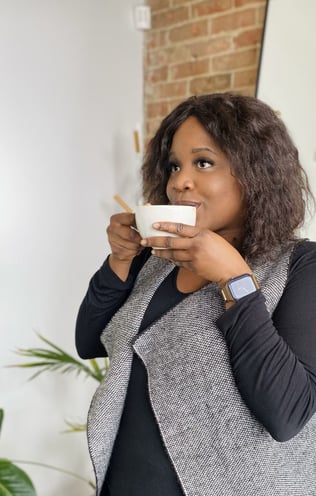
{"points": [[200, 175]]}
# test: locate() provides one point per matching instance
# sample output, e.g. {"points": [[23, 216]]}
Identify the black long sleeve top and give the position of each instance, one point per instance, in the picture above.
{"points": [[273, 361]]}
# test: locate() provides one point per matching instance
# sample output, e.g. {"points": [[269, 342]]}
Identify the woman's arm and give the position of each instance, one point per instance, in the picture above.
{"points": [[106, 294], [274, 360]]}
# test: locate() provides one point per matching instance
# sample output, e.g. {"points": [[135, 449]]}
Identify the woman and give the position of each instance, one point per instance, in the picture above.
{"points": [[212, 343]]}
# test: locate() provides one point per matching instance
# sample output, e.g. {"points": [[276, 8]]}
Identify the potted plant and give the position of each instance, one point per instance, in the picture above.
{"points": [[50, 358], [13, 480]]}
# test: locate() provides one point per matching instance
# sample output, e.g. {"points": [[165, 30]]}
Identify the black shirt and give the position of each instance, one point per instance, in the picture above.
{"points": [[287, 345]]}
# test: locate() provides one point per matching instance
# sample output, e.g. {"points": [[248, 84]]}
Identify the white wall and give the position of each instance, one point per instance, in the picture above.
{"points": [[70, 97], [287, 78]]}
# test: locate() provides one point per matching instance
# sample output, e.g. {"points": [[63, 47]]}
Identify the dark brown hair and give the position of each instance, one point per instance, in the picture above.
{"points": [[263, 158]]}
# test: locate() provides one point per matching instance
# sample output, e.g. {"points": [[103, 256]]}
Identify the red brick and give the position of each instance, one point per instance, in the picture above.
{"points": [[233, 21], [249, 91], [158, 4], [210, 84], [180, 2], [208, 7], [240, 3], [170, 17], [156, 58], [178, 52], [151, 127], [210, 46], [249, 37], [179, 48], [170, 55], [173, 103], [235, 60], [189, 31], [188, 69], [151, 92], [156, 109], [156, 75], [172, 90], [261, 13], [155, 39], [245, 78]]}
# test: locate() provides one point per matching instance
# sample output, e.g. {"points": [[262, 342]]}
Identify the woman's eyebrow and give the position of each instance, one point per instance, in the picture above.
{"points": [[203, 149], [197, 150]]}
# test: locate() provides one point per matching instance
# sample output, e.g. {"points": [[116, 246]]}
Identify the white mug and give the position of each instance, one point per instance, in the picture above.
{"points": [[146, 215]]}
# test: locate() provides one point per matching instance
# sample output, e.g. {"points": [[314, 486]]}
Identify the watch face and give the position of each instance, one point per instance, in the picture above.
{"points": [[242, 286]]}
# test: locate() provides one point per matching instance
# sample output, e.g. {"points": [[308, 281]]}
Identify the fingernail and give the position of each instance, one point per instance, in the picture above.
{"points": [[143, 242], [156, 225]]}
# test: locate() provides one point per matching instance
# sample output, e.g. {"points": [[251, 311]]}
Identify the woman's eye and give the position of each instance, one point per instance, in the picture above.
{"points": [[172, 167], [204, 164]]}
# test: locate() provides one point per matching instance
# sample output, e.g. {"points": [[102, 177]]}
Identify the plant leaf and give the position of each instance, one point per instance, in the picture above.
{"points": [[14, 481], [54, 358], [99, 372], [57, 469], [74, 427]]}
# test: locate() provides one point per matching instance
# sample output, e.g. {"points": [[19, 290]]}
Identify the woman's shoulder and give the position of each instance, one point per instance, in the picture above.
{"points": [[304, 251]]}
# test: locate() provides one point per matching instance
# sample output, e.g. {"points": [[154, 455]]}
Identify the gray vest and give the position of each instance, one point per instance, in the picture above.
{"points": [[215, 444]]}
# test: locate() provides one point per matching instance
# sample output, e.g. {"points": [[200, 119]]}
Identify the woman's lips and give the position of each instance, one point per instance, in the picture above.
{"points": [[190, 203]]}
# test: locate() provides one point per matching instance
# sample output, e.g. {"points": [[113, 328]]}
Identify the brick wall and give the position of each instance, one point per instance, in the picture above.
{"points": [[199, 46]]}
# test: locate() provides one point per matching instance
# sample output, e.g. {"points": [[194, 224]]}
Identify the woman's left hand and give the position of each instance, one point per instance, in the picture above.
{"points": [[199, 250]]}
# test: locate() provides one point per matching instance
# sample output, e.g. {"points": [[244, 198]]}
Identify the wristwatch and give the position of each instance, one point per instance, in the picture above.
{"points": [[238, 287]]}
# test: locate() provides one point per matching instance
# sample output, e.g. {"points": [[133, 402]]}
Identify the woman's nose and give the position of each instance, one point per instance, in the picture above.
{"points": [[183, 181]]}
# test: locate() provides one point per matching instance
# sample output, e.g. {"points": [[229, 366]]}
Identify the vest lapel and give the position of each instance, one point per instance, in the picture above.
{"points": [[108, 401]]}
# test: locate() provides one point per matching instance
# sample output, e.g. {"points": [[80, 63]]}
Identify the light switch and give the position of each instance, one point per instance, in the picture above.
{"points": [[142, 17]]}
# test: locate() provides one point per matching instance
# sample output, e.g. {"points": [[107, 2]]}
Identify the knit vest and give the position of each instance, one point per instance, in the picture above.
{"points": [[215, 444]]}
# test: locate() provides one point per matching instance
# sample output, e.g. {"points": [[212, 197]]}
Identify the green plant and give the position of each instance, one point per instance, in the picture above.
{"points": [[13, 480], [52, 358]]}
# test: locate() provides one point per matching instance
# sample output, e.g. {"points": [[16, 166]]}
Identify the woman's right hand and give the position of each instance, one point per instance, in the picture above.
{"points": [[124, 241]]}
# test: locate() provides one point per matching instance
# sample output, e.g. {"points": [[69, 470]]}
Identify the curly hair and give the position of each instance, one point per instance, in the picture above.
{"points": [[263, 158]]}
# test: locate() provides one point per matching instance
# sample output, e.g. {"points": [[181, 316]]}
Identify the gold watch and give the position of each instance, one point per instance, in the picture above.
{"points": [[238, 287]]}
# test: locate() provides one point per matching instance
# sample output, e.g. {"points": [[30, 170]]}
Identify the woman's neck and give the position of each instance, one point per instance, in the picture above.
{"points": [[188, 282]]}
